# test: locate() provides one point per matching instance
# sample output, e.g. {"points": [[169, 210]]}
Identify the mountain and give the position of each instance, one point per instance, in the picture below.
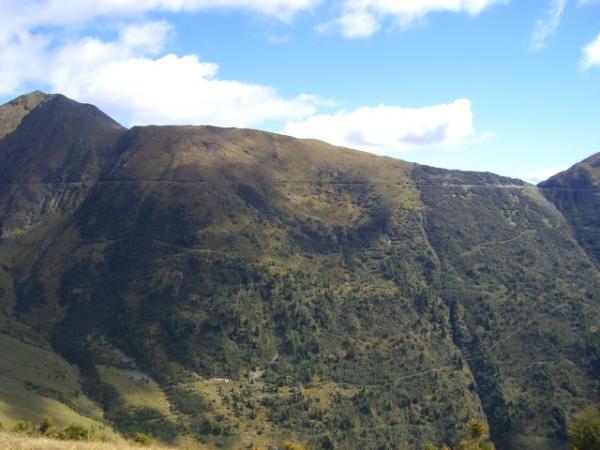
{"points": [[575, 193], [239, 287]]}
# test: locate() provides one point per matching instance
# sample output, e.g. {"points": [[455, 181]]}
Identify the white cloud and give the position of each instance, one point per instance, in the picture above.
{"points": [[32, 13], [130, 76], [133, 78], [20, 58], [362, 18], [547, 25], [125, 79], [536, 176], [591, 54], [391, 129], [32, 27]]}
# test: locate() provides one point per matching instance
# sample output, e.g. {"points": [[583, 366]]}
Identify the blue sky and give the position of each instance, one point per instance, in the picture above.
{"points": [[511, 87]]}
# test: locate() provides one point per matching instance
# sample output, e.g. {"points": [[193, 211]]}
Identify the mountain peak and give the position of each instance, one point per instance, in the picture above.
{"points": [[31, 100], [13, 112]]}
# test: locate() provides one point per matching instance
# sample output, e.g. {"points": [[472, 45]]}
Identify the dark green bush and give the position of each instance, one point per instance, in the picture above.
{"points": [[75, 432], [143, 439], [45, 425], [23, 428]]}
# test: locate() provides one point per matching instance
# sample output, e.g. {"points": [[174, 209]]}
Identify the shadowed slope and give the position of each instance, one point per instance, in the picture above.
{"points": [[576, 193]]}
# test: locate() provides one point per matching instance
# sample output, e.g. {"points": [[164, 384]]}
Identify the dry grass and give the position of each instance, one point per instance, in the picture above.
{"points": [[11, 441]]}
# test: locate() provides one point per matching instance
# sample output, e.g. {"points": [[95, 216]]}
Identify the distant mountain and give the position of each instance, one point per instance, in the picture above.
{"points": [[240, 286]]}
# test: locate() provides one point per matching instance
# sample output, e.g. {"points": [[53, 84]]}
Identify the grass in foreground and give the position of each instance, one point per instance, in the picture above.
{"points": [[13, 441]]}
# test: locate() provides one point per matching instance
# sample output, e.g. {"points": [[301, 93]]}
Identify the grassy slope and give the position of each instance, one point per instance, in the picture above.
{"points": [[135, 390], [36, 382]]}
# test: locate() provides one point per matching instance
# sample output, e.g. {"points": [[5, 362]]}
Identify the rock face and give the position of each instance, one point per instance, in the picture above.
{"points": [[390, 301]]}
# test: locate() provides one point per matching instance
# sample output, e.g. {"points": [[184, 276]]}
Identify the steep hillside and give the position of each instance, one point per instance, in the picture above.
{"points": [[576, 193], [241, 286]]}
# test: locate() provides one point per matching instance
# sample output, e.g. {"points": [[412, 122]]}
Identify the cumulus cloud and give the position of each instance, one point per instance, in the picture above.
{"points": [[390, 129], [15, 69], [362, 18], [536, 176], [131, 76], [547, 25], [126, 79], [32, 27], [591, 54]]}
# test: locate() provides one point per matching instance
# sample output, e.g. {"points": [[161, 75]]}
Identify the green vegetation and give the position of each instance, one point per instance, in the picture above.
{"points": [[71, 432], [36, 382], [24, 428], [242, 288], [574, 192], [143, 439], [75, 432], [584, 431], [478, 439]]}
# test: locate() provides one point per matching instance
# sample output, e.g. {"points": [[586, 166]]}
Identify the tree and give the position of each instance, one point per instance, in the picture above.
{"points": [[45, 425], [584, 431], [478, 429], [479, 437]]}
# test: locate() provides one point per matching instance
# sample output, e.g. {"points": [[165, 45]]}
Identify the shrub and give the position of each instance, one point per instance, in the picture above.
{"points": [[45, 425], [143, 439], [75, 432], [327, 443], [478, 429], [23, 428], [584, 431]]}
